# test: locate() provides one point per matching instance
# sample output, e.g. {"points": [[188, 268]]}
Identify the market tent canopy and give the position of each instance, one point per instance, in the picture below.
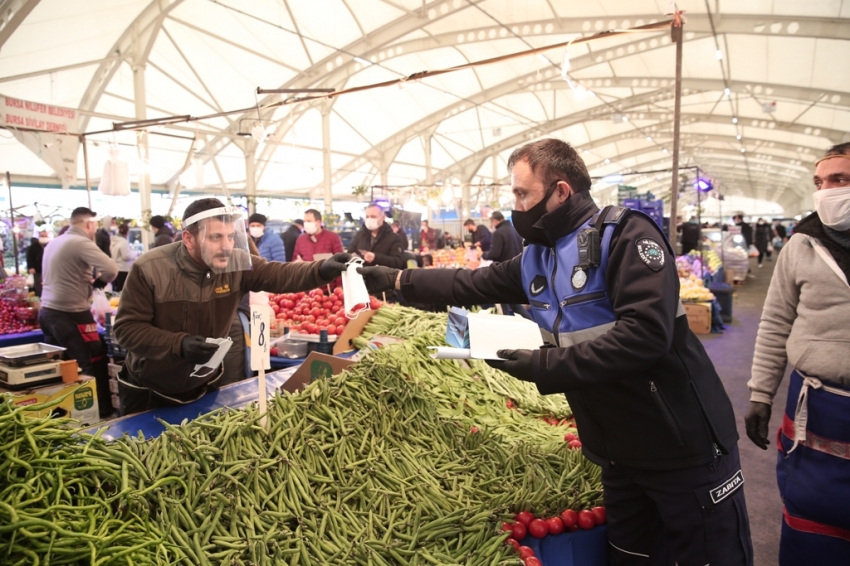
{"points": [[764, 91]]}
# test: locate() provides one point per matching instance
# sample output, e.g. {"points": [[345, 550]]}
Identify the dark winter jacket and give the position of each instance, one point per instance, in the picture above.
{"points": [[34, 255], [645, 393], [386, 246], [289, 237], [482, 237], [505, 243], [103, 241], [164, 237]]}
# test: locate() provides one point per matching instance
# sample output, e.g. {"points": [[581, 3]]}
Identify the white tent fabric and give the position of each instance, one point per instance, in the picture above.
{"points": [[120, 60]]}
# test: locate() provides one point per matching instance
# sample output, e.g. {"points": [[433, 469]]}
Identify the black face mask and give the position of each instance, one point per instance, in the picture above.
{"points": [[524, 221]]}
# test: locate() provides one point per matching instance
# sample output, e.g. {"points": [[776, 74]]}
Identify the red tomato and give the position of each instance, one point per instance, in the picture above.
{"points": [[317, 312], [273, 351], [327, 304], [533, 561], [569, 437], [574, 444], [275, 308], [524, 517], [506, 527], [332, 331], [337, 306], [287, 304], [339, 292], [311, 319], [518, 531], [340, 329], [526, 552], [281, 315], [374, 303], [586, 520], [599, 515], [512, 542], [556, 526], [538, 528], [312, 328], [299, 296], [569, 518], [339, 321]]}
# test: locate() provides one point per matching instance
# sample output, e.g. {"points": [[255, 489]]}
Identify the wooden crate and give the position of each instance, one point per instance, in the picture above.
{"points": [[699, 317]]}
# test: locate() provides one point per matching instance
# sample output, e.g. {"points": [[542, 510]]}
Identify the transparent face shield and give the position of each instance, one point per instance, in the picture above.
{"points": [[221, 240]]}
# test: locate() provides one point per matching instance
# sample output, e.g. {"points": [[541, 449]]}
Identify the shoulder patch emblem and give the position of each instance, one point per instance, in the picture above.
{"points": [[651, 253]]}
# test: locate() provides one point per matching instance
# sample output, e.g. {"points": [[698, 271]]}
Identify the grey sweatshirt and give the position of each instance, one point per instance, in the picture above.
{"points": [[804, 321], [68, 265]]}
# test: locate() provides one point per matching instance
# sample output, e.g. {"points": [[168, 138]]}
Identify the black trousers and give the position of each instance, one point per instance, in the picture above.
{"points": [[690, 517], [118, 283], [77, 333]]}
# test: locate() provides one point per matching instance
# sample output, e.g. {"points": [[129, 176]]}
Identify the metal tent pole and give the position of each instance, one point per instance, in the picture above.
{"points": [[676, 32], [12, 220], [86, 167]]}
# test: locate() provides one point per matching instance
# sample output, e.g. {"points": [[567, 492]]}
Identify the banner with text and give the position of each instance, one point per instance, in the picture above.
{"points": [[16, 113]]}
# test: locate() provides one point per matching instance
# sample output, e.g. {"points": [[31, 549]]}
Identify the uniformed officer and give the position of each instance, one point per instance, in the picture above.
{"points": [[649, 406]]}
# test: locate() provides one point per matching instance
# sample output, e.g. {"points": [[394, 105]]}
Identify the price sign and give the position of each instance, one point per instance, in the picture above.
{"points": [[260, 338]]}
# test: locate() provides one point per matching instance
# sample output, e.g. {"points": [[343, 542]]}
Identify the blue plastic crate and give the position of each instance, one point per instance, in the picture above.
{"points": [[581, 548]]}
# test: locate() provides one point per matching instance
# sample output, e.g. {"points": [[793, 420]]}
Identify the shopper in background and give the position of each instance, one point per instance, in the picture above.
{"points": [[691, 235], [35, 253], [781, 233], [122, 255], [804, 324], [163, 233], [427, 237], [179, 295], [316, 239], [290, 236], [746, 229], [505, 243], [618, 345], [396, 226], [480, 234], [71, 262], [103, 237], [763, 238], [270, 245], [376, 242]]}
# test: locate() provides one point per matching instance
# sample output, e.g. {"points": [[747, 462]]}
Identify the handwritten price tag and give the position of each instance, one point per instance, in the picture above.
{"points": [[260, 338]]}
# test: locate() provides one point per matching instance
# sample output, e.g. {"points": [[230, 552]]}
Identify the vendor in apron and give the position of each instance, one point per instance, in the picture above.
{"points": [[804, 323]]}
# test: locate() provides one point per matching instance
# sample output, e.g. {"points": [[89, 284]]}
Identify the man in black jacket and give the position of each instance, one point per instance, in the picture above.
{"points": [[481, 236], [505, 243], [163, 234], [290, 236], [376, 242], [648, 403]]}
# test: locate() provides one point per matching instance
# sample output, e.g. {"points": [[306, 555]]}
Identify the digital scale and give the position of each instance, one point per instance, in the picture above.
{"points": [[30, 365]]}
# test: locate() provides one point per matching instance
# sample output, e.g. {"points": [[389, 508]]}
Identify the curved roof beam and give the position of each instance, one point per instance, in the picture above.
{"points": [[19, 9], [137, 41]]}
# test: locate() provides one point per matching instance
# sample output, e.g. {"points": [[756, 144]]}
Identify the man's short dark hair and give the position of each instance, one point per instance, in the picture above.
{"points": [[425, 222], [82, 213], [124, 229], [317, 216], [196, 207], [158, 221], [469, 222], [258, 218], [497, 216], [839, 149], [299, 222], [553, 160]]}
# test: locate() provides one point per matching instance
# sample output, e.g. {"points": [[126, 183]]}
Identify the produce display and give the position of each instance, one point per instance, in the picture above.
{"points": [[467, 257], [17, 311], [692, 264], [311, 312], [692, 288], [400, 459]]}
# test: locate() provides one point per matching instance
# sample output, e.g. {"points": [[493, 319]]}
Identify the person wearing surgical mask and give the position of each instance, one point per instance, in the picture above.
{"points": [[376, 242], [316, 240], [270, 245], [804, 325]]}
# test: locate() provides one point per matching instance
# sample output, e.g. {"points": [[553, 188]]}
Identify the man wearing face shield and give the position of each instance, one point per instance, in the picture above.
{"points": [[804, 324], [649, 406], [179, 295]]}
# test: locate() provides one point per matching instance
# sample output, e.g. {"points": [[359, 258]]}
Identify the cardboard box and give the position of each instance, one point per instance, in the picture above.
{"points": [[352, 330], [316, 366], [80, 400], [699, 317]]}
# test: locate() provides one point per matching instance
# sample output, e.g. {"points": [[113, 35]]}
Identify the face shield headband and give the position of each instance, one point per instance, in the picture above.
{"points": [[221, 241]]}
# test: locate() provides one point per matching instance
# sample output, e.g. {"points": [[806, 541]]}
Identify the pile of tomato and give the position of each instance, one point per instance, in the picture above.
{"points": [[568, 521], [313, 311]]}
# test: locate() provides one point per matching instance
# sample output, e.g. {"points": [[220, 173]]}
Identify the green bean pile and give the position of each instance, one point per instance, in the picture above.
{"points": [[380, 465], [407, 323]]}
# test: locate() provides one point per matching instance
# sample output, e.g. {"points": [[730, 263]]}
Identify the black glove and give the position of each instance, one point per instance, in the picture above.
{"points": [[333, 267], [197, 350], [756, 421], [378, 279], [518, 363]]}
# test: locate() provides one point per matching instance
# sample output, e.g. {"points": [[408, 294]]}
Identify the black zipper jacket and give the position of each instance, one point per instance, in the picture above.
{"points": [[386, 246], [645, 394]]}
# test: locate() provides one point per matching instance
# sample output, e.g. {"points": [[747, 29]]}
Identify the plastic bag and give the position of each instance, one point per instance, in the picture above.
{"points": [[100, 306], [355, 295]]}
